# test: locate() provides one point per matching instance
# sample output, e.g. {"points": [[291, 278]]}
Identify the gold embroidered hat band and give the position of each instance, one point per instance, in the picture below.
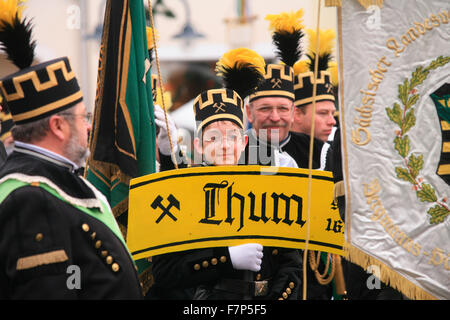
{"points": [[41, 90]]}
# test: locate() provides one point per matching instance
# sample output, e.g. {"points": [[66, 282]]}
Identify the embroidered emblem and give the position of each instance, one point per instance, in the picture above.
{"points": [[276, 83], [218, 107], [404, 117]]}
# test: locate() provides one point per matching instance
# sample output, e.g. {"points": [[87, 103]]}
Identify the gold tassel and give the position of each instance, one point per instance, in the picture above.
{"points": [[387, 275], [339, 276], [333, 3]]}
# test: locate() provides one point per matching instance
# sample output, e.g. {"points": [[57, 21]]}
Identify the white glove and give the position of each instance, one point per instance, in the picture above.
{"points": [[246, 256], [163, 139]]}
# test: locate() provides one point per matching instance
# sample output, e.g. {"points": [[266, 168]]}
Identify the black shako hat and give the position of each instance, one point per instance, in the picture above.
{"points": [[218, 104], [304, 85], [278, 82], [304, 70], [39, 91]]}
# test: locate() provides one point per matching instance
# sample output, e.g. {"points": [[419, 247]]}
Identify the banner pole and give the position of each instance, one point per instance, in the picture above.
{"points": [[311, 145]]}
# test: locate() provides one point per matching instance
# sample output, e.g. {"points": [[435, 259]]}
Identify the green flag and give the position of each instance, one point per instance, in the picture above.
{"points": [[123, 133]]}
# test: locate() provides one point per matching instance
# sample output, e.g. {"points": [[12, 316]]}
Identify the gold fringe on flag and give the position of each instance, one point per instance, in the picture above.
{"points": [[387, 275], [368, 3], [364, 3], [333, 3]]}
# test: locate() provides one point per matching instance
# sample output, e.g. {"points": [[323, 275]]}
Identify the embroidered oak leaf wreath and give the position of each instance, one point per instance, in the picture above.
{"points": [[403, 115]]}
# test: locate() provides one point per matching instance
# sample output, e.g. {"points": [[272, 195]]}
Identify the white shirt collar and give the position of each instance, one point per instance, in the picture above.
{"points": [[46, 152]]}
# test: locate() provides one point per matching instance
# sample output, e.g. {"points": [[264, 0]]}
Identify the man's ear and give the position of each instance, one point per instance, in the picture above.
{"points": [[198, 145], [297, 115], [249, 113], [59, 127]]}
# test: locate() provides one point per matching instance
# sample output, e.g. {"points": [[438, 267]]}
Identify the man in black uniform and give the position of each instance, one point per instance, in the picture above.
{"points": [[59, 239], [247, 271], [270, 108]]}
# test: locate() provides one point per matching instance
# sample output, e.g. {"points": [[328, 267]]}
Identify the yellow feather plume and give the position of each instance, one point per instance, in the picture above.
{"points": [[326, 41], [9, 9], [150, 43], [286, 21], [301, 66], [239, 57], [333, 68], [166, 96]]}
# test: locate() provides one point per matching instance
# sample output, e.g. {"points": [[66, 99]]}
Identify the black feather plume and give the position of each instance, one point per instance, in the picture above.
{"points": [[288, 45], [243, 79], [15, 40], [323, 61]]}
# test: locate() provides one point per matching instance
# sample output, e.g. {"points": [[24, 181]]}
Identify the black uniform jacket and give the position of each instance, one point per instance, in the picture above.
{"points": [[51, 250], [209, 273]]}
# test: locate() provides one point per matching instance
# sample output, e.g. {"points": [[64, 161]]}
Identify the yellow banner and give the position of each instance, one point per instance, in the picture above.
{"points": [[221, 206]]}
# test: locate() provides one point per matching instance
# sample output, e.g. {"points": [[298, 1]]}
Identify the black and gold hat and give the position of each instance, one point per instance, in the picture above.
{"points": [[287, 32], [6, 123], [304, 71], [278, 82], [218, 104], [42, 90], [241, 70], [34, 92]]}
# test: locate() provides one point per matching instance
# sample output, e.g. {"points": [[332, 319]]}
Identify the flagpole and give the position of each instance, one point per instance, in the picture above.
{"points": [[175, 162], [311, 145]]}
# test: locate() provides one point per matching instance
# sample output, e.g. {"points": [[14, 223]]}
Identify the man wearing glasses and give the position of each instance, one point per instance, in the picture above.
{"points": [[59, 238], [270, 112]]}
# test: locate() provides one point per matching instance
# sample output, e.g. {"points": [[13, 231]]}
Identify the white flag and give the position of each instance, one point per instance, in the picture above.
{"points": [[396, 141]]}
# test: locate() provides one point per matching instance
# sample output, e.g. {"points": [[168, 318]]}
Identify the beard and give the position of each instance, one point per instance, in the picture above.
{"points": [[76, 152]]}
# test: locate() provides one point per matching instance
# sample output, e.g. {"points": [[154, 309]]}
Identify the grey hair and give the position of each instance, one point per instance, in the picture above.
{"points": [[36, 130]]}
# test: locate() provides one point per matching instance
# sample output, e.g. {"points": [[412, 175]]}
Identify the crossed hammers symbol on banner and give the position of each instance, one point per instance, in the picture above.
{"points": [[276, 83], [173, 202]]}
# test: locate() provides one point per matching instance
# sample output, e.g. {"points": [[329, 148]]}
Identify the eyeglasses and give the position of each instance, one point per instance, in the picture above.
{"points": [[218, 138], [87, 116], [266, 110]]}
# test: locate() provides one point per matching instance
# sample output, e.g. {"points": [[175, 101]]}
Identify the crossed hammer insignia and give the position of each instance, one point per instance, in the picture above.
{"points": [[219, 107], [173, 202], [276, 83]]}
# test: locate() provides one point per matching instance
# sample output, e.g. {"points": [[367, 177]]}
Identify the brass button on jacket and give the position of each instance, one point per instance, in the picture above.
{"points": [[115, 267], [39, 236], [85, 227]]}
